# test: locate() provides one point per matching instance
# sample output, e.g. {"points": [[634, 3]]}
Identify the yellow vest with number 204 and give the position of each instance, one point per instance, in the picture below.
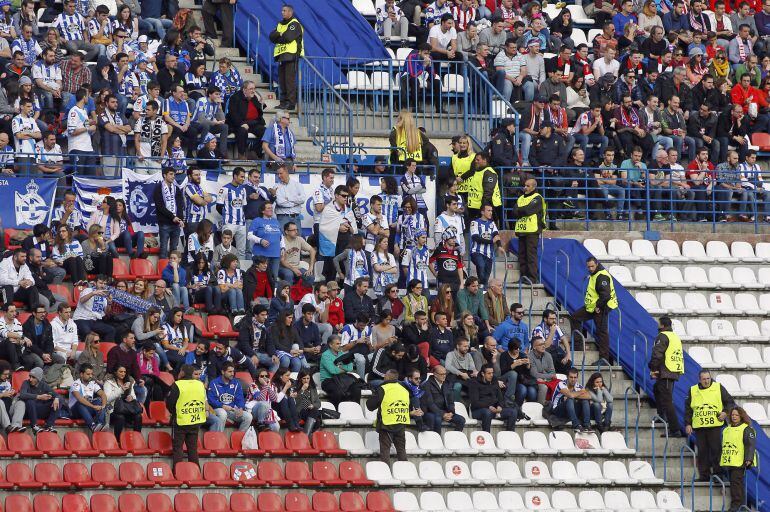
{"points": [[394, 409], [191, 405], [706, 405], [291, 47], [673, 359], [528, 224], [733, 448]]}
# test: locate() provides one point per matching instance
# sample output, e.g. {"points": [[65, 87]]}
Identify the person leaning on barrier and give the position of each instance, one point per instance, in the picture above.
{"points": [[530, 211], [705, 411], [739, 442], [600, 300], [666, 366]]}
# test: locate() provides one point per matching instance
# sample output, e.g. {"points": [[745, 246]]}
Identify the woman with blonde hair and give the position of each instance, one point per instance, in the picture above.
{"points": [[466, 327], [649, 18], [141, 289], [406, 139]]}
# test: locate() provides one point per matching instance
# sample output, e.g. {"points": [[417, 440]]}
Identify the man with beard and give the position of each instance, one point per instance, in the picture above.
{"points": [[150, 139]]}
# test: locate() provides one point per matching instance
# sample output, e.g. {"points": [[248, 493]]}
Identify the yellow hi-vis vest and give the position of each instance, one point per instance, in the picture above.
{"points": [[706, 405], [592, 297], [529, 223], [405, 154], [476, 189], [394, 409], [191, 405], [673, 358], [460, 166], [292, 47], [733, 448]]}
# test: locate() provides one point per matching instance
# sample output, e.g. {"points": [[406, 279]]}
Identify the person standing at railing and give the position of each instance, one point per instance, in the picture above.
{"points": [[753, 184], [25, 133], [666, 366], [530, 211], [150, 139], [289, 47], [79, 131]]}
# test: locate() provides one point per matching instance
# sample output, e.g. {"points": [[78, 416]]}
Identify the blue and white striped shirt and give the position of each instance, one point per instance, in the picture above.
{"points": [[94, 26], [408, 225], [71, 250], [416, 261], [176, 337], [72, 27], [233, 199], [204, 278], [350, 334], [204, 109], [358, 266], [223, 278], [414, 185], [50, 75], [390, 205], [195, 213], [486, 230], [31, 49]]}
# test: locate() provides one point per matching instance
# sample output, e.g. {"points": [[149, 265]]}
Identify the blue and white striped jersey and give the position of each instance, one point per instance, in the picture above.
{"points": [[223, 278], [416, 261], [195, 213], [486, 230], [71, 27], [233, 199]]}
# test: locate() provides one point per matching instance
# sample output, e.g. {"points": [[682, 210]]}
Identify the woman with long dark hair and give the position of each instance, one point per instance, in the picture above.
{"points": [[307, 401], [285, 404], [149, 329], [127, 22], [201, 243], [283, 341], [202, 289], [443, 303], [119, 388], [601, 402], [739, 441], [68, 254], [106, 216], [132, 241]]}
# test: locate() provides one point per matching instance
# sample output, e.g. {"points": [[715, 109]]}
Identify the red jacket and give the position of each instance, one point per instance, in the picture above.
{"points": [[743, 97]]}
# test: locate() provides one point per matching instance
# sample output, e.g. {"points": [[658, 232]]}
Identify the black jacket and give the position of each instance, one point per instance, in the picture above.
{"points": [[437, 400], [503, 150], [665, 89], [484, 394], [382, 362], [413, 335], [353, 305], [42, 344], [292, 33], [548, 152], [658, 358], [534, 207], [192, 48], [164, 214], [696, 123], [246, 337], [237, 107], [250, 283], [727, 128], [167, 80]]}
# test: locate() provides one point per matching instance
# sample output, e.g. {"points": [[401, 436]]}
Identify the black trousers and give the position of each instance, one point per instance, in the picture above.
{"points": [[395, 438], [628, 140], [528, 258], [737, 487], [242, 135], [601, 328], [709, 443], [120, 421], [287, 81], [29, 296], [209, 12], [189, 137], [186, 436], [663, 391], [75, 268]]}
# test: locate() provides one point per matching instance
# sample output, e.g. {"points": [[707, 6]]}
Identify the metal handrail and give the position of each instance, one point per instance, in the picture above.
{"points": [[494, 94], [638, 412], [572, 352], [711, 492], [531, 296], [657, 419], [251, 18], [681, 474], [646, 342]]}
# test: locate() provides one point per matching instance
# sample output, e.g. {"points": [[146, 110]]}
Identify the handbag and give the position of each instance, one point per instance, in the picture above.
{"points": [[124, 408], [329, 414]]}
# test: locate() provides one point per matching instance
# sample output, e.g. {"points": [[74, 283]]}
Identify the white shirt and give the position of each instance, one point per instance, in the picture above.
{"points": [[22, 124], [443, 38], [65, 336], [309, 298], [50, 75], [51, 156], [92, 309], [9, 276], [371, 219], [78, 118], [6, 327], [88, 391], [602, 67], [289, 197], [446, 220]]}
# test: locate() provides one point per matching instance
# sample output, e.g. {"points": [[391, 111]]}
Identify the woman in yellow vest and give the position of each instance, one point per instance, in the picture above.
{"points": [[738, 453], [406, 140], [462, 161]]}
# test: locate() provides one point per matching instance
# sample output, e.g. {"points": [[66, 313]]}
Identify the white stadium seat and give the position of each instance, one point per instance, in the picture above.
{"points": [[551, 10], [672, 303], [432, 471], [730, 383], [617, 501], [383, 81], [764, 303], [511, 500], [537, 471], [749, 330], [745, 277], [647, 276], [671, 501], [762, 250], [642, 471], [458, 443], [672, 277], [537, 500], [724, 330], [565, 500], [763, 276], [756, 412], [697, 303], [509, 471], [485, 501], [537, 441], [407, 473], [353, 443], [365, 7], [744, 252], [357, 81], [484, 443], [722, 303], [459, 501], [747, 303], [616, 471], [592, 33], [727, 357], [591, 471], [372, 441], [352, 413], [458, 472], [432, 442], [380, 472], [623, 276], [678, 327], [511, 442], [766, 355], [694, 251], [432, 501], [578, 37], [752, 385], [669, 250], [696, 277], [591, 500], [535, 412], [644, 500], [412, 448], [702, 356], [650, 303], [484, 471], [462, 411], [720, 252], [579, 16], [406, 501], [616, 443], [621, 250], [565, 472], [330, 406], [563, 443], [597, 249], [645, 250], [700, 331], [589, 443], [720, 277], [752, 358]]}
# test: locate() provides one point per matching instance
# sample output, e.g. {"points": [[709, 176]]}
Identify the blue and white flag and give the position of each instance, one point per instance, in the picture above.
{"points": [[90, 192], [138, 190], [32, 200]]}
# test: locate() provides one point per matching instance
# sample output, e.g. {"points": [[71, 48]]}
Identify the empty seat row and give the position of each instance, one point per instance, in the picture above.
{"points": [[360, 81], [750, 385], [741, 278], [214, 444], [507, 472], [696, 329], [696, 303], [75, 475], [714, 251], [757, 412], [376, 501], [483, 443], [727, 358], [460, 501]]}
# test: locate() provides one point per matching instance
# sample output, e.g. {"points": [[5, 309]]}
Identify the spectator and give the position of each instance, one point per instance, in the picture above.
{"points": [[175, 276], [162, 298], [49, 156], [178, 115], [393, 405], [230, 281], [124, 354], [125, 409], [335, 379], [38, 329], [169, 76], [471, 299], [495, 302], [414, 301], [40, 402], [438, 402], [97, 256], [358, 301], [72, 26], [252, 338], [87, 399], [308, 403], [741, 46], [202, 287], [513, 328], [511, 74], [279, 141], [487, 402], [488, 354], [15, 346], [221, 354], [289, 195], [231, 200], [281, 302], [284, 341], [150, 139], [11, 408], [210, 118], [320, 300], [285, 394], [515, 369], [726, 187], [391, 20], [419, 79], [245, 116], [65, 335], [176, 338], [148, 328], [443, 39], [225, 396], [461, 365], [541, 367]]}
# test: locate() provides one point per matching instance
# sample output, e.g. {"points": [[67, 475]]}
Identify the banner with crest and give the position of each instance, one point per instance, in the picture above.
{"points": [[32, 200]]}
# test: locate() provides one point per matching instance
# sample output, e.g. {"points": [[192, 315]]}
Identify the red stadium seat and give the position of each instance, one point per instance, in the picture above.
{"points": [[162, 263], [23, 316], [105, 347], [186, 502], [4, 451], [103, 503], [246, 474], [160, 442], [235, 440], [272, 473], [354, 474], [18, 378], [245, 378], [133, 474], [120, 271], [4, 484], [378, 501], [762, 140], [167, 379], [143, 269], [218, 444], [326, 472], [217, 474], [326, 442], [18, 503], [203, 452], [190, 474], [324, 502], [272, 444], [352, 502], [20, 476], [76, 474], [49, 475], [216, 502], [22, 445], [79, 444], [299, 443], [221, 325], [299, 473], [146, 420], [161, 474], [105, 474], [50, 444], [297, 502], [158, 412], [197, 321], [157, 502], [242, 502], [64, 291], [74, 503], [131, 503], [266, 502], [134, 443], [45, 503], [107, 445]]}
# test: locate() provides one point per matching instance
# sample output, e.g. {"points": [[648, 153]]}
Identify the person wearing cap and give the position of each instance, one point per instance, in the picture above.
{"points": [[511, 74], [503, 151]]}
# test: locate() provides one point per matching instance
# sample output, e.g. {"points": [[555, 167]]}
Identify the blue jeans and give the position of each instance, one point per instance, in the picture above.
{"points": [[162, 355], [105, 331], [293, 363], [484, 267], [759, 200], [133, 244], [234, 299], [210, 295], [602, 419], [168, 233], [679, 144], [283, 218], [87, 414], [591, 138], [435, 421], [568, 410], [141, 393], [41, 409], [506, 87], [724, 197], [181, 295], [273, 268], [156, 25], [617, 191], [525, 142], [266, 360]]}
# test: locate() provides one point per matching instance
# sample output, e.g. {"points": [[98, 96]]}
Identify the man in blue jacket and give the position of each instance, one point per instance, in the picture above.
{"points": [[265, 234], [225, 396], [512, 328]]}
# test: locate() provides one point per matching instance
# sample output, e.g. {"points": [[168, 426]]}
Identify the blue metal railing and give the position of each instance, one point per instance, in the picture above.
{"points": [[655, 420], [636, 416], [484, 106], [253, 38], [711, 492], [692, 478]]}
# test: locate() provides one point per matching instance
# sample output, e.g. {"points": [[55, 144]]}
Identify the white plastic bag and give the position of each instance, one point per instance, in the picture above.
{"points": [[249, 441]]}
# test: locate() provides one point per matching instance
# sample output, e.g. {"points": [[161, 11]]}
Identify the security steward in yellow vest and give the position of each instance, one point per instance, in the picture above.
{"points": [[462, 162], [187, 402], [666, 366], [599, 301], [530, 223], [705, 411], [289, 47], [739, 442], [392, 402], [483, 187]]}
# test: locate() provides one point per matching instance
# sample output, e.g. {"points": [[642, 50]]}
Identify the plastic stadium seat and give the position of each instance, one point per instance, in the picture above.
{"points": [[299, 473], [246, 474], [485, 501], [461, 410], [537, 441], [484, 443], [620, 250], [644, 500], [4, 484], [4, 451], [105, 474], [73, 503], [616, 471], [730, 383], [699, 330], [23, 445], [218, 474], [697, 277], [728, 358], [642, 471], [324, 502], [221, 325], [563, 443], [459, 501], [762, 250], [509, 471], [352, 472], [752, 385], [432, 442], [186, 502], [266, 501], [326, 473], [589, 500], [459, 473], [565, 472], [484, 471], [538, 472], [189, 473], [763, 276], [297, 502], [143, 269], [197, 321], [242, 502], [744, 252], [756, 412], [511, 442], [650, 303], [644, 250], [352, 502], [49, 475], [64, 291], [720, 252], [762, 140], [406, 502], [160, 442], [747, 303], [746, 278], [353, 443], [272, 473], [623, 275], [352, 413], [723, 303], [216, 502], [537, 500], [107, 445], [694, 250], [134, 475], [299, 443], [597, 248], [159, 413], [379, 472], [433, 472], [720, 277], [696, 303], [76, 475], [616, 500], [592, 473], [702, 356], [18, 503], [670, 501], [326, 443], [120, 271], [157, 502], [669, 250], [672, 303], [672, 277], [512, 500], [407, 472], [134, 443], [459, 443], [105, 503], [378, 501], [432, 501], [272, 444], [78, 443], [219, 445], [50, 444], [21, 477], [753, 358]]}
